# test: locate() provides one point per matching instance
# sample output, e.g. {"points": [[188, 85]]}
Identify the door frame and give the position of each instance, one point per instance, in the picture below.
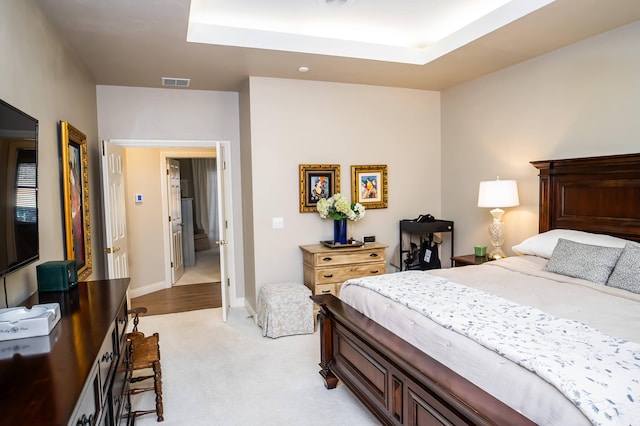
{"points": [[168, 148], [176, 260]]}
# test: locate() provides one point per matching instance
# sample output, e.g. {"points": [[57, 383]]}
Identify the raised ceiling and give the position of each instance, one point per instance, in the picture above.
{"points": [[136, 43]]}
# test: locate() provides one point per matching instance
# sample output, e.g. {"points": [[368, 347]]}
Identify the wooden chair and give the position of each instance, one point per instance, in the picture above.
{"points": [[144, 353]]}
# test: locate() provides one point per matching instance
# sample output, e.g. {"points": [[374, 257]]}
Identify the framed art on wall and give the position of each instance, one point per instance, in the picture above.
{"points": [[317, 181], [75, 198], [369, 186]]}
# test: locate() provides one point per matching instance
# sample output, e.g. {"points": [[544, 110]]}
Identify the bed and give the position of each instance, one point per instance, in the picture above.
{"points": [[406, 373]]}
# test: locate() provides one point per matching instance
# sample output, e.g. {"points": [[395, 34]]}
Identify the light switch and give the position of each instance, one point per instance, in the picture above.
{"points": [[278, 223], [138, 198]]}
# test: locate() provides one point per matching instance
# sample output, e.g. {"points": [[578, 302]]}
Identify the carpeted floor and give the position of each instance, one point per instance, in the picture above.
{"points": [[217, 373]]}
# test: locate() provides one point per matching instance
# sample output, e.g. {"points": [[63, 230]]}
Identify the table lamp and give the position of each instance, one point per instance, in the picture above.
{"points": [[496, 194]]}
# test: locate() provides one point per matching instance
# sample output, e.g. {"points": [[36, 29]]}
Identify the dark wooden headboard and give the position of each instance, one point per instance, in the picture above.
{"points": [[593, 194]]}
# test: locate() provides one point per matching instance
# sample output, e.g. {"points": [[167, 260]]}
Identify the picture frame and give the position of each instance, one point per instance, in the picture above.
{"points": [[75, 198], [317, 181], [369, 186]]}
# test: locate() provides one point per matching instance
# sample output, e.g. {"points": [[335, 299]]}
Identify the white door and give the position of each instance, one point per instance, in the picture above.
{"points": [[175, 219], [222, 173], [115, 228]]}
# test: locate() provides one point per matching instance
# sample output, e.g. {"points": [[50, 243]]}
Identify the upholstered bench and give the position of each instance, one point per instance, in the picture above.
{"points": [[285, 309]]}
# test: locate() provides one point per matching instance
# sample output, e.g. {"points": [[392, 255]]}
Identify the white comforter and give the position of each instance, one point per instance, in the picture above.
{"points": [[521, 279]]}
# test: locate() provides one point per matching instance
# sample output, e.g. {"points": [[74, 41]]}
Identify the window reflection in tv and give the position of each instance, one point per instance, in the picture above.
{"points": [[19, 245]]}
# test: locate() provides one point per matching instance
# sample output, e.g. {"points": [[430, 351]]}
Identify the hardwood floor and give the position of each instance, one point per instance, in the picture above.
{"points": [[180, 299]]}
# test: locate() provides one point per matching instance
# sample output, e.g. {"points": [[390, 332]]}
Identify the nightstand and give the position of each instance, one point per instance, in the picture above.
{"points": [[468, 259], [325, 269]]}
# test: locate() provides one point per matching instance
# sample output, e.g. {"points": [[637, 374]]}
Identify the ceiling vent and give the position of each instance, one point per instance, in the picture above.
{"points": [[175, 82]]}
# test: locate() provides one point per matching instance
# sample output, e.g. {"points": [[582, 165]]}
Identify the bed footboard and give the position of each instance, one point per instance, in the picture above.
{"points": [[398, 383]]}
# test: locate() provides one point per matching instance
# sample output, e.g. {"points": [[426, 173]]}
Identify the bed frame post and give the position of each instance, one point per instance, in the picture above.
{"points": [[545, 201], [326, 349]]}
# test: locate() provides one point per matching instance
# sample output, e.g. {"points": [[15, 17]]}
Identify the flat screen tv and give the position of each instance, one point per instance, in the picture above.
{"points": [[19, 243]]}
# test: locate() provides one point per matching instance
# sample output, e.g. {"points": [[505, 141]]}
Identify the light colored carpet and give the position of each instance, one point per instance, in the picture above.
{"points": [[219, 373], [206, 269]]}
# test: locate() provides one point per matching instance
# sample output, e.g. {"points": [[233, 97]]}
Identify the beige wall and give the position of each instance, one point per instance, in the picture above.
{"points": [[145, 114], [306, 122], [582, 100], [247, 196], [41, 77]]}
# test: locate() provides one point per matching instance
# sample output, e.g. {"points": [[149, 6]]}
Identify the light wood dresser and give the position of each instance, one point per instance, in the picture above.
{"points": [[325, 269]]}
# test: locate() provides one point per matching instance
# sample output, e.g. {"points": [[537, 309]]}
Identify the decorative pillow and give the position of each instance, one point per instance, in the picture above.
{"points": [[542, 245], [626, 274], [586, 261]]}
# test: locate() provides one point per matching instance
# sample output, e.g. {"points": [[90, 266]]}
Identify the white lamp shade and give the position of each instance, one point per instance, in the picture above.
{"points": [[498, 193]]}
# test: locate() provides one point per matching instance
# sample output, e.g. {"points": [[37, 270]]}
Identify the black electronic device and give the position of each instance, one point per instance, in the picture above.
{"points": [[60, 275], [19, 245]]}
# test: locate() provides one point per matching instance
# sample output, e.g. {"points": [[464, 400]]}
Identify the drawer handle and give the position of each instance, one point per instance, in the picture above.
{"points": [[107, 357], [374, 272], [325, 291], [327, 259], [373, 255], [328, 276]]}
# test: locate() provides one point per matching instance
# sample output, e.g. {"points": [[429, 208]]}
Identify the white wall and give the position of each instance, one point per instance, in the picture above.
{"points": [[135, 113], [581, 100], [306, 122], [41, 77]]}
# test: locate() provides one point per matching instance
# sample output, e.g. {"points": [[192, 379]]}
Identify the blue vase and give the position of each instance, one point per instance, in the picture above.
{"points": [[340, 231]]}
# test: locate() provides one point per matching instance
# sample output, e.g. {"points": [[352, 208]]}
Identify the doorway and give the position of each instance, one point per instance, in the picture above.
{"points": [[151, 239], [199, 219], [215, 223], [189, 201]]}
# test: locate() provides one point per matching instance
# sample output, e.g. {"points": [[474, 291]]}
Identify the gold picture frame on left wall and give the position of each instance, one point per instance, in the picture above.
{"points": [[75, 198]]}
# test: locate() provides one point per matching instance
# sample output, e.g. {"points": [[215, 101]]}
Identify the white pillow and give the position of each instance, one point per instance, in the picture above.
{"points": [[542, 245]]}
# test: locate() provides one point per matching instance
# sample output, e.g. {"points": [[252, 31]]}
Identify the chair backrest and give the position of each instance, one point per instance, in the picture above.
{"points": [[136, 315]]}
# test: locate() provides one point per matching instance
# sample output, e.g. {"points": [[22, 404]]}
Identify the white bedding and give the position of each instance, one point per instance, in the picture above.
{"points": [[520, 279]]}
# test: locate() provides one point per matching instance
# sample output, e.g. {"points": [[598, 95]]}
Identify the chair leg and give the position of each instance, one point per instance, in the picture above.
{"points": [[158, 388]]}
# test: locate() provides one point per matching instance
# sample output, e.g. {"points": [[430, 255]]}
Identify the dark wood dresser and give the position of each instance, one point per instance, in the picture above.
{"points": [[77, 374]]}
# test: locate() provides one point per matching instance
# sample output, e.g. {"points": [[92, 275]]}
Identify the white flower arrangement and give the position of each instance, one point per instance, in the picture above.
{"points": [[338, 207]]}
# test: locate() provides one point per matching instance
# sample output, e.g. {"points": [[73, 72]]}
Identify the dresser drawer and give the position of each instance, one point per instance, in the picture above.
{"points": [[326, 289], [345, 257], [343, 273]]}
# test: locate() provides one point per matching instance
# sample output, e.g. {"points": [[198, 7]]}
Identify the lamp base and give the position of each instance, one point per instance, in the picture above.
{"points": [[496, 234], [496, 254]]}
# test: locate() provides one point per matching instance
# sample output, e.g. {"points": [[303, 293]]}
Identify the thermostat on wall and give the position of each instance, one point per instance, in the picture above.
{"points": [[138, 198]]}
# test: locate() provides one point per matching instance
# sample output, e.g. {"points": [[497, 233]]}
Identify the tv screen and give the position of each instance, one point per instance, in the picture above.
{"points": [[18, 189]]}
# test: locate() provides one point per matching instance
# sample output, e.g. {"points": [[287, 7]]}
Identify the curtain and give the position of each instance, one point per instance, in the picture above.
{"points": [[205, 200]]}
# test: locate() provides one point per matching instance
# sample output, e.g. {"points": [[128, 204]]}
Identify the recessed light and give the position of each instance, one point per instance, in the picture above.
{"points": [[303, 69]]}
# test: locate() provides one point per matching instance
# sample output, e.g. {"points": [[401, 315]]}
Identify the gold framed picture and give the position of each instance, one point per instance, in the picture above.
{"points": [[75, 198], [369, 186], [317, 181]]}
